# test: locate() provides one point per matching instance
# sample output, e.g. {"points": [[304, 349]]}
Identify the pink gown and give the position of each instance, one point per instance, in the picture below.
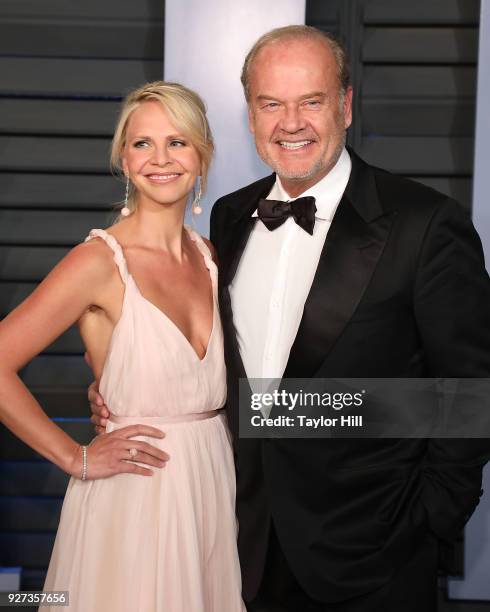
{"points": [[167, 542]]}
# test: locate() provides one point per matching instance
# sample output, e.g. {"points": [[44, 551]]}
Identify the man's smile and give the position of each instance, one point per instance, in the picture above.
{"points": [[294, 145]]}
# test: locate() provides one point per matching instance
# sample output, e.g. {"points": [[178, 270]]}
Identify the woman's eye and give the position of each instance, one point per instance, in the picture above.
{"points": [[177, 143], [140, 144]]}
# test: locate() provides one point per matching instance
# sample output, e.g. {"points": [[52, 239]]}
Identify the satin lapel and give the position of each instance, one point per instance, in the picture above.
{"points": [[347, 262], [239, 224], [227, 275]]}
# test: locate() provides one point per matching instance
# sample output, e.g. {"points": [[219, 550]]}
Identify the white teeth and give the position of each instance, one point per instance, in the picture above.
{"points": [[162, 177], [294, 145]]}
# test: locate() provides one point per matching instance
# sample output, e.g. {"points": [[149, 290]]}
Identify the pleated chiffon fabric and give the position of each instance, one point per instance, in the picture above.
{"points": [[165, 542]]}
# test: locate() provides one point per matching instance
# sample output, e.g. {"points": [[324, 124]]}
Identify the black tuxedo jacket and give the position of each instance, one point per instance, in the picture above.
{"points": [[400, 291]]}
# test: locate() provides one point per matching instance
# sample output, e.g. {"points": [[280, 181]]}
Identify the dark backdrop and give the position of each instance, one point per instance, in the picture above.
{"points": [[64, 67]]}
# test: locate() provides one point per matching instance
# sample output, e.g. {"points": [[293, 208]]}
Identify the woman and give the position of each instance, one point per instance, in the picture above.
{"points": [[144, 296]]}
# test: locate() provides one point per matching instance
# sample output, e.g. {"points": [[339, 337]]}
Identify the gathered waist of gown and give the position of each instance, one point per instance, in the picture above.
{"points": [[171, 418]]}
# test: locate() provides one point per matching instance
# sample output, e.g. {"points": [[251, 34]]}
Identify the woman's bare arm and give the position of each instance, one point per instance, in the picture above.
{"points": [[79, 281]]}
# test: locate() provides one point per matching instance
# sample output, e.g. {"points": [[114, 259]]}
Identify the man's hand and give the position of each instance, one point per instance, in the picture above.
{"points": [[100, 412]]}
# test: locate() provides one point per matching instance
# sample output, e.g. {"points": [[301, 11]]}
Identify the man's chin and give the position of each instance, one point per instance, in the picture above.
{"points": [[297, 180], [295, 174]]}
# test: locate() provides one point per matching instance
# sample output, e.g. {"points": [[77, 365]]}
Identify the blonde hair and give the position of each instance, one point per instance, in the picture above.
{"points": [[186, 111], [298, 32]]}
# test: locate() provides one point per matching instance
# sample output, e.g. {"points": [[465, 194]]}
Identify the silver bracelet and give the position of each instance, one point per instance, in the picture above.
{"points": [[84, 463]]}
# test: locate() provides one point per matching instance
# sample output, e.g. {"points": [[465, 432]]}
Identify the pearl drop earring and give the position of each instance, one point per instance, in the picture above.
{"points": [[125, 212], [196, 209]]}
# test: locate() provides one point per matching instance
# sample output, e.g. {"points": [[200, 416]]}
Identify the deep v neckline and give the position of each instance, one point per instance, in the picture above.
{"points": [[164, 315], [167, 318], [174, 325]]}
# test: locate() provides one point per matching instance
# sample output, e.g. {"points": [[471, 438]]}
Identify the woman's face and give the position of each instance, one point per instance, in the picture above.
{"points": [[160, 162]]}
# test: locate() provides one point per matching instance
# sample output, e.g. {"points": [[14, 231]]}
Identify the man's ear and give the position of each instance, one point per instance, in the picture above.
{"points": [[348, 107], [251, 119]]}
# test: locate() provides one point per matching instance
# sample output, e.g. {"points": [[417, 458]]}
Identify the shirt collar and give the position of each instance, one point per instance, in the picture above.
{"points": [[327, 192]]}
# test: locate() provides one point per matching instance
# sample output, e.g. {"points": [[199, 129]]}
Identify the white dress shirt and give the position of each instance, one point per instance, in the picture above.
{"points": [[275, 275]]}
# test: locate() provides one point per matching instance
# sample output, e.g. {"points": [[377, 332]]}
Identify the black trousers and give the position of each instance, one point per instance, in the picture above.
{"points": [[412, 589]]}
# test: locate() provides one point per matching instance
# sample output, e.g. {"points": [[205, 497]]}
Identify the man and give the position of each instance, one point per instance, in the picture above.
{"points": [[377, 277]]}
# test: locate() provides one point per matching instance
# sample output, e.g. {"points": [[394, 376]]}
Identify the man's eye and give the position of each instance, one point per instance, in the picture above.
{"points": [[271, 105], [313, 103]]}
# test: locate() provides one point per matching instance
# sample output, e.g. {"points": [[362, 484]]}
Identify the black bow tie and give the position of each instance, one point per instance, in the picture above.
{"points": [[274, 213]]}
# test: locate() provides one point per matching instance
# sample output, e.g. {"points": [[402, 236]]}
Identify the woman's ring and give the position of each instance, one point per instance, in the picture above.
{"points": [[133, 452]]}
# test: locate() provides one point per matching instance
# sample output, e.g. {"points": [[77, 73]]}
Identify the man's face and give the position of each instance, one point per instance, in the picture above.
{"points": [[296, 113]]}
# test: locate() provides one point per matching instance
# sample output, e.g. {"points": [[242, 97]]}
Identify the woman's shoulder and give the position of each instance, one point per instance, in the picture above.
{"points": [[196, 237], [210, 246], [92, 257], [211, 249]]}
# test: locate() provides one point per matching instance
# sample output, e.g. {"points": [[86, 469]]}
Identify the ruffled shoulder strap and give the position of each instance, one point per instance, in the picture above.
{"points": [[115, 247], [203, 248]]}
